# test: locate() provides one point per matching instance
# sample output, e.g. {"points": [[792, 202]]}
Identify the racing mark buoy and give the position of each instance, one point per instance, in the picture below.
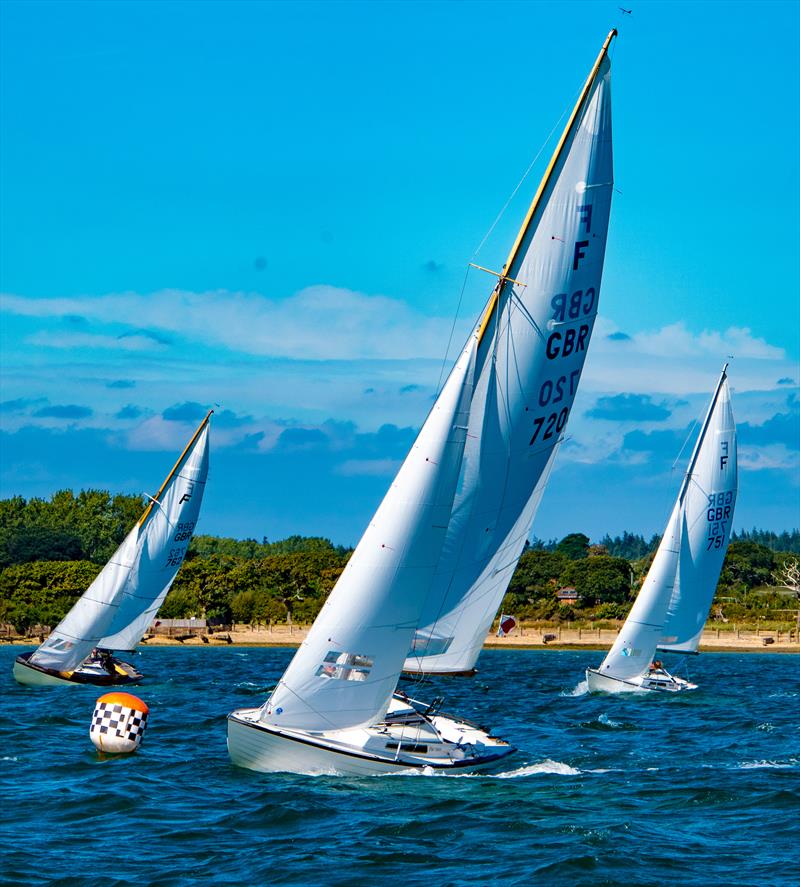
{"points": [[118, 723]]}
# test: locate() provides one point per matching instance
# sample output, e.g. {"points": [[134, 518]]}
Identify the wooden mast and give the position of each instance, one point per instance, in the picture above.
{"points": [[494, 298], [701, 437], [155, 499]]}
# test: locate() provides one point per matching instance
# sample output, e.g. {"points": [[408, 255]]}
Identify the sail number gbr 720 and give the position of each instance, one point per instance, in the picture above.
{"points": [[564, 343]]}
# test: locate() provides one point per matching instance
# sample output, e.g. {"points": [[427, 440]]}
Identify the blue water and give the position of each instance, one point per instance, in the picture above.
{"points": [[699, 788]]}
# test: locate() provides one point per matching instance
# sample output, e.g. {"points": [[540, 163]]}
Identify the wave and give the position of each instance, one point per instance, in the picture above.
{"points": [[604, 722], [791, 764], [548, 766], [580, 689]]}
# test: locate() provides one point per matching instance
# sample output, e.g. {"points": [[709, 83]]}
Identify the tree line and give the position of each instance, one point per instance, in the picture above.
{"points": [[51, 550]]}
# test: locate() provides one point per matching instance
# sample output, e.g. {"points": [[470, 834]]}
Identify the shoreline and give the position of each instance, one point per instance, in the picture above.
{"points": [[713, 640]]}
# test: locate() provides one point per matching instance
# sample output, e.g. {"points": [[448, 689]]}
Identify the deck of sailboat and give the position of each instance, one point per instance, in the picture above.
{"points": [[90, 673], [660, 682], [406, 739]]}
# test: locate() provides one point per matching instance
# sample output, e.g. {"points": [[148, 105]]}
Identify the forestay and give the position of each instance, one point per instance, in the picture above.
{"points": [[535, 335], [115, 611], [346, 670]]}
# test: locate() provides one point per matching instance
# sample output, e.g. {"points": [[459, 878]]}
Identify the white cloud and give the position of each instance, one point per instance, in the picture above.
{"points": [[676, 340], [317, 323], [675, 361], [132, 342], [770, 456], [316, 355]]}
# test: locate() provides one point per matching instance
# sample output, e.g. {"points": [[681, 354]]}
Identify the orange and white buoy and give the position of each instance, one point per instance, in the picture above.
{"points": [[118, 723]]}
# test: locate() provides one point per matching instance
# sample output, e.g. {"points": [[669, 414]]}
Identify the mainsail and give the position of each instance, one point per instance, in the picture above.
{"points": [[346, 670], [533, 338], [673, 603], [116, 609]]}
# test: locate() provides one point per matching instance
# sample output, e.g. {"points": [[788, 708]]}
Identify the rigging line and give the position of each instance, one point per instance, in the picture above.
{"points": [[683, 446], [305, 702], [525, 175], [452, 333]]}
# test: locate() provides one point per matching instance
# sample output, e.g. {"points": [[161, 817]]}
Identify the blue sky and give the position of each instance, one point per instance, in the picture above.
{"points": [[271, 207]]}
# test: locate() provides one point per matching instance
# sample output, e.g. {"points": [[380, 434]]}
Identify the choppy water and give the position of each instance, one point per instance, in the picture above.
{"points": [[698, 788]]}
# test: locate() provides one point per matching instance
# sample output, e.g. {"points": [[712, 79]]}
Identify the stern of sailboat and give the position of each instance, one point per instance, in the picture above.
{"points": [[89, 674]]}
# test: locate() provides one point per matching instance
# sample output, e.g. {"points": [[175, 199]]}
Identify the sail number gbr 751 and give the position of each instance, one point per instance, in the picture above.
{"points": [[564, 343]]}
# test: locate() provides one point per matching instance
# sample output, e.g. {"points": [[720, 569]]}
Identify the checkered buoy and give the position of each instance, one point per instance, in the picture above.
{"points": [[118, 723]]}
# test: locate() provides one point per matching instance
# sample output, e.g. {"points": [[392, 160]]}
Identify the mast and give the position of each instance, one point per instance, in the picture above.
{"points": [[155, 499], [701, 437], [548, 173]]}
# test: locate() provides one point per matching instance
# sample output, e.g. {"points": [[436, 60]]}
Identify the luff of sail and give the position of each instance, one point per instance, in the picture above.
{"points": [[535, 334], [676, 595], [143, 567], [346, 670]]}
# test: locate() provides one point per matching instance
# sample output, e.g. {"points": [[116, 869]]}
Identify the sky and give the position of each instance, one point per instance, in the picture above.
{"points": [[269, 209]]}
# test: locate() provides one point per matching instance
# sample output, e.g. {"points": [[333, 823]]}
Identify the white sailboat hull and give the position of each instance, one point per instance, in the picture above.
{"points": [[89, 673], [374, 751], [649, 683]]}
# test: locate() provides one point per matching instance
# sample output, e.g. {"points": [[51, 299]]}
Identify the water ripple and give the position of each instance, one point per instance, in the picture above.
{"points": [[597, 784]]}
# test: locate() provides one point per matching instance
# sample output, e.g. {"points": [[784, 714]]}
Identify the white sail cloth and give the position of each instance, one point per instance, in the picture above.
{"points": [[632, 652], [346, 670], [708, 513], [673, 603], [115, 611], [163, 547], [530, 363]]}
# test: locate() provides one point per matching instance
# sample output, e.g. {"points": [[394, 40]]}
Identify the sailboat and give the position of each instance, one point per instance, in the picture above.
{"points": [[672, 607], [116, 610], [336, 708], [535, 335]]}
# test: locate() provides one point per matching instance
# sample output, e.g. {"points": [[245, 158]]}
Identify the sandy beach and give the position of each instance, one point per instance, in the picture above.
{"points": [[734, 640]]}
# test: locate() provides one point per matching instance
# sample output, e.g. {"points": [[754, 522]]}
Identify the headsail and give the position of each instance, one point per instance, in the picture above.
{"points": [[632, 651], [534, 337], [115, 610], [673, 603], [345, 672]]}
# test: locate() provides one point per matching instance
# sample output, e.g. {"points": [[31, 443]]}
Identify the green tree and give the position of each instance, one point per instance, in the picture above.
{"points": [[574, 546], [599, 579], [22, 545], [747, 565]]}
